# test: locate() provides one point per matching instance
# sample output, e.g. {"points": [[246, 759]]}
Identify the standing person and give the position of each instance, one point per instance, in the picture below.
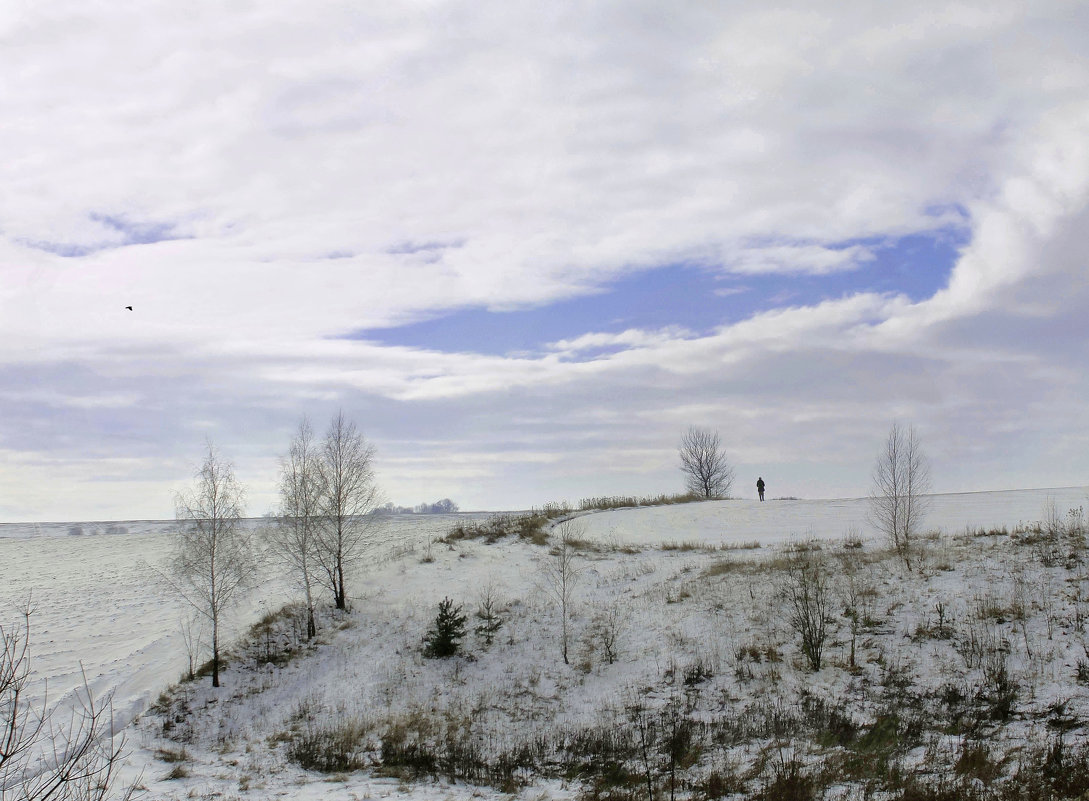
{"points": [[760, 487]]}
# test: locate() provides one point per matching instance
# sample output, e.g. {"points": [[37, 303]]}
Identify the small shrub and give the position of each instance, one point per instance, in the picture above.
{"points": [[335, 747], [444, 637], [489, 612], [830, 724], [809, 596], [1081, 672], [999, 690], [790, 783], [605, 630], [975, 762], [179, 771], [719, 782], [698, 672], [171, 755]]}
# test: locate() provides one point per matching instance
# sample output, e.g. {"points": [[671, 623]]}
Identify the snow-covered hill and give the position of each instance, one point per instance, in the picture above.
{"points": [[699, 621]]}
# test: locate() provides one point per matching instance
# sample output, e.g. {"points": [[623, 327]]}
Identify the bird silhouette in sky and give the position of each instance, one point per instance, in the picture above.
{"points": [[129, 308]]}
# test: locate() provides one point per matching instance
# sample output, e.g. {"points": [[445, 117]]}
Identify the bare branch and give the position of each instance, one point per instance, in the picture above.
{"points": [[40, 760]]}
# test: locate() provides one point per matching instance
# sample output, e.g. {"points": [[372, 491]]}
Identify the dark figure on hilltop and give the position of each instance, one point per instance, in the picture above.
{"points": [[760, 487]]}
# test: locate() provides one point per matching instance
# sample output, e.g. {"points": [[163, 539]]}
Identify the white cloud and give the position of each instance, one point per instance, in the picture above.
{"points": [[810, 259]]}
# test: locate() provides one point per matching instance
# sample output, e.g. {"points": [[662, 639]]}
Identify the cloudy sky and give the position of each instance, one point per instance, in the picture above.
{"points": [[525, 245]]}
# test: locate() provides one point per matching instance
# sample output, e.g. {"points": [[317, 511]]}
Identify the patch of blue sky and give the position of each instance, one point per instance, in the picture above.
{"points": [[692, 297], [137, 233], [125, 233]]}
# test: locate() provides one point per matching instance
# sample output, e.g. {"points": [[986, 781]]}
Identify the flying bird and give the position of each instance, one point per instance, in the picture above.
{"points": [[129, 308]]}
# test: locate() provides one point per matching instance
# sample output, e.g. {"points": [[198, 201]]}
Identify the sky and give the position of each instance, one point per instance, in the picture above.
{"points": [[524, 246]]}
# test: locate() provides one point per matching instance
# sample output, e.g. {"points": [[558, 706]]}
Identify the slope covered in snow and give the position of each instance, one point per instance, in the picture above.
{"points": [[976, 656]]}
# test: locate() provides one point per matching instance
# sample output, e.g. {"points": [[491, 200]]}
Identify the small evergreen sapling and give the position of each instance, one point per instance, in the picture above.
{"points": [[445, 635], [489, 613]]}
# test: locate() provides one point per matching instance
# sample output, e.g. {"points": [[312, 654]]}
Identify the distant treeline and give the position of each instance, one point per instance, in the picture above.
{"points": [[443, 507]]}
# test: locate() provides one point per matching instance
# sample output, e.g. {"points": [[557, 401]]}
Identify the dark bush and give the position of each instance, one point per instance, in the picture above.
{"points": [[444, 638], [335, 748]]}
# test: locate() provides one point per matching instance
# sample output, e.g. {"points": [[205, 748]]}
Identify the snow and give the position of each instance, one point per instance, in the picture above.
{"points": [[783, 521], [99, 604], [101, 609]]}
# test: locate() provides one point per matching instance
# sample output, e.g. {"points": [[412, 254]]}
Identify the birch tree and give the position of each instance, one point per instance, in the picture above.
{"points": [[898, 497], [294, 537], [561, 573], [349, 496], [213, 558]]}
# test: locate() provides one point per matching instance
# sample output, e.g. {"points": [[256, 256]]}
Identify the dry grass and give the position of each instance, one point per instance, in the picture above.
{"points": [[629, 501], [529, 527]]}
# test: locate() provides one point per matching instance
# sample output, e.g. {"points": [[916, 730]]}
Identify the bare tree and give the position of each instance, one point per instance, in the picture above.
{"points": [[561, 574], [901, 481], [706, 470], [809, 595], [213, 558], [294, 537], [607, 626], [40, 760], [350, 494], [192, 638]]}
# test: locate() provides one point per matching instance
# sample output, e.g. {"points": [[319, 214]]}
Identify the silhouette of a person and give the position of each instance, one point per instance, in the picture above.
{"points": [[760, 487]]}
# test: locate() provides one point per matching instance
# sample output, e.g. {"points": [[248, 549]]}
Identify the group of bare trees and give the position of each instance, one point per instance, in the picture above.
{"points": [[327, 492]]}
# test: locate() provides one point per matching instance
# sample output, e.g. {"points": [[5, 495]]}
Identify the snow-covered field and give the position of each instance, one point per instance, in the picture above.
{"points": [[701, 627], [785, 521], [99, 603]]}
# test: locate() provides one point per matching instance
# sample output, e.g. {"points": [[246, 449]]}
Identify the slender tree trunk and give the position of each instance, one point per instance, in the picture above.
{"points": [[564, 613], [215, 652], [311, 627], [644, 735], [341, 593]]}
